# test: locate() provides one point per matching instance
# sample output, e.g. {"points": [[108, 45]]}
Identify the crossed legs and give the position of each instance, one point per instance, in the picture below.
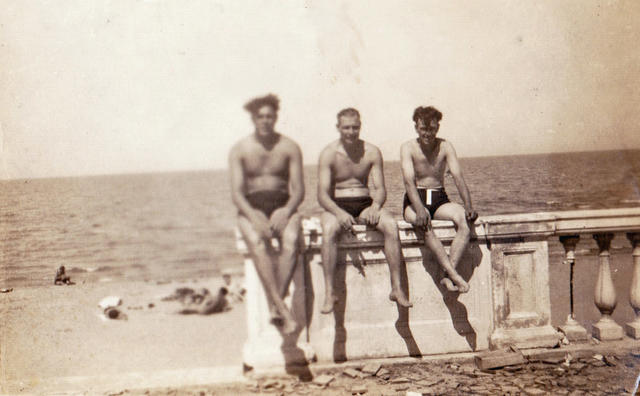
{"points": [[454, 212], [275, 271], [330, 233]]}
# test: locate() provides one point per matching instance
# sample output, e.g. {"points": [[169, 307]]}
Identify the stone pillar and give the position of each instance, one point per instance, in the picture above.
{"points": [[520, 286], [605, 293], [572, 329], [266, 347], [633, 328]]}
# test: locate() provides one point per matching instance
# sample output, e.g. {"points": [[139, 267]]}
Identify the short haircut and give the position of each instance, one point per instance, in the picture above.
{"points": [[348, 112], [426, 114], [255, 104]]}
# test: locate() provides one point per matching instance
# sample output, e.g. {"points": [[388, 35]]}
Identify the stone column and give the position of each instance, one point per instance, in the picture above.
{"points": [[633, 328], [572, 329], [605, 293]]}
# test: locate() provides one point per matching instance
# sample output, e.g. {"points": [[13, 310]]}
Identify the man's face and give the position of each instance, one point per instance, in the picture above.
{"points": [[265, 120], [427, 132], [349, 128]]}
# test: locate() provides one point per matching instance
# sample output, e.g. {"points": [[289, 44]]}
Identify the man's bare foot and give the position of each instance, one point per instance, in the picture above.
{"points": [[448, 284], [398, 296], [276, 318], [456, 283], [329, 302], [289, 326]]}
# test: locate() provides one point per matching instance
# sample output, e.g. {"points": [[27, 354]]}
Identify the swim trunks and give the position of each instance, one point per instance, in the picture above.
{"points": [[268, 201], [354, 205], [438, 198]]}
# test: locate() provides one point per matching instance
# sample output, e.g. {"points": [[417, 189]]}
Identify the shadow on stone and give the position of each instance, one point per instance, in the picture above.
{"points": [[458, 311], [402, 324]]}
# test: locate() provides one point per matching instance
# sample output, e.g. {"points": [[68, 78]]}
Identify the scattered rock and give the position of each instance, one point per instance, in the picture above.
{"points": [[508, 389], [513, 369], [358, 389], [401, 388], [384, 374], [399, 380], [6, 290], [371, 368], [635, 354], [323, 380], [610, 361], [351, 373], [598, 356], [595, 341], [489, 360], [578, 366], [151, 305], [534, 391]]}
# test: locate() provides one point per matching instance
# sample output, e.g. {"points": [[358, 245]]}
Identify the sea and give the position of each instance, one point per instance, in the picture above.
{"points": [[180, 225]]}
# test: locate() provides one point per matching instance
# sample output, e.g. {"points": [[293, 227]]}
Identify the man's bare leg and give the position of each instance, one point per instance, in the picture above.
{"points": [[454, 212], [266, 271], [329, 251], [288, 253], [454, 282], [393, 253]]}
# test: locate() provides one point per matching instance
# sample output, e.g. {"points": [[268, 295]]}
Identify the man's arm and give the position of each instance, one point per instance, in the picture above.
{"points": [[456, 171], [324, 190], [296, 180], [376, 175], [280, 217], [409, 178], [257, 218], [377, 190]]}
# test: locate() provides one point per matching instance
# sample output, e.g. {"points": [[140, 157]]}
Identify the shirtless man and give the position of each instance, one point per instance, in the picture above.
{"points": [[424, 163], [346, 166], [267, 188]]}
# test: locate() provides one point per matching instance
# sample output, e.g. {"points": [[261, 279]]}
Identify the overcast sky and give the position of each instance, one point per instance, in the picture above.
{"points": [[100, 87]]}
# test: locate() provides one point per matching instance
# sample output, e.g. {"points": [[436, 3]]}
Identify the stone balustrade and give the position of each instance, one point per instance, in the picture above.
{"points": [[506, 265]]}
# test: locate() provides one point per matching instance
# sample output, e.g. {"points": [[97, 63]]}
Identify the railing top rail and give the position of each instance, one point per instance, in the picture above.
{"points": [[507, 226]]}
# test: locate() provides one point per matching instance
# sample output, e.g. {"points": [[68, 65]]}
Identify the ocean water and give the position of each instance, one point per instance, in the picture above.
{"points": [[181, 225]]}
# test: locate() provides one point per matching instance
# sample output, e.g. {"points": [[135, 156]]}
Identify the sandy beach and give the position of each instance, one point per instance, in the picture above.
{"points": [[55, 336]]}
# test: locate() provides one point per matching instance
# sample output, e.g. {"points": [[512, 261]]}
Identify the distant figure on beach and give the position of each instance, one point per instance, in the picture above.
{"points": [[424, 163], [267, 188], [236, 291], [346, 167], [61, 277]]}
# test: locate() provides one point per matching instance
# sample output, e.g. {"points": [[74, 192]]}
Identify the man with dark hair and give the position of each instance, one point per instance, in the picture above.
{"points": [[424, 163], [267, 188], [346, 167]]}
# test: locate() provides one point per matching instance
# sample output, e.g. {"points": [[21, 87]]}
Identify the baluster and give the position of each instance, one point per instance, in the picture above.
{"points": [[605, 294], [572, 329], [633, 328]]}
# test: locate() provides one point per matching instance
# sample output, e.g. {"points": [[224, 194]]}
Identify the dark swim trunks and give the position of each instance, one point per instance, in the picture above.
{"points": [[438, 198], [354, 205], [268, 200]]}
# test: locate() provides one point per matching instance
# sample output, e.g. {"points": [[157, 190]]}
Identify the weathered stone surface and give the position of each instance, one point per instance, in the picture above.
{"points": [[358, 390], [489, 360], [351, 373], [323, 379], [371, 368], [534, 391]]}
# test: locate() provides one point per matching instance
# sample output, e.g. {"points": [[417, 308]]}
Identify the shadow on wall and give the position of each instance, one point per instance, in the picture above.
{"points": [[459, 316]]}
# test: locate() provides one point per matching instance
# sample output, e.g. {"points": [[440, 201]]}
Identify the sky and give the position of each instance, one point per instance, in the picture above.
{"points": [[125, 86]]}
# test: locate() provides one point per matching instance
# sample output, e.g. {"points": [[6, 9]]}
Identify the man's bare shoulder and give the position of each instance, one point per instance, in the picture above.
{"points": [[242, 145], [329, 149], [288, 144], [372, 150]]}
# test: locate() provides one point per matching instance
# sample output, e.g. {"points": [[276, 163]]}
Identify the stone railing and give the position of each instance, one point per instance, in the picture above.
{"points": [[506, 265]]}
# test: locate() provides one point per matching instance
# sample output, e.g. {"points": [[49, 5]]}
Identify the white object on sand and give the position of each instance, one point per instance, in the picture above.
{"points": [[110, 302]]}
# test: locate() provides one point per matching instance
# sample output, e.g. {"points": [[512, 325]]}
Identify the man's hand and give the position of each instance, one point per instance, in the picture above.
{"points": [[470, 214], [371, 215], [278, 221], [422, 218], [345, 220], [261, 225]]}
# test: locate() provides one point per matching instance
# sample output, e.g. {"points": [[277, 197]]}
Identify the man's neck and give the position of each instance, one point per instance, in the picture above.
{"points": [[267, 140], [354, 151]]}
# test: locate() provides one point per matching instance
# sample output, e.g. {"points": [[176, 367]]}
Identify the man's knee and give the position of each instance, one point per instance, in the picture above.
{"points": [[388, 225], [330, 227]]}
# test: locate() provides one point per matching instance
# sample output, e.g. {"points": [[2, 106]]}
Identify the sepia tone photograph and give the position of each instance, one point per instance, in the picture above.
{"points": [[309, 197]]}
